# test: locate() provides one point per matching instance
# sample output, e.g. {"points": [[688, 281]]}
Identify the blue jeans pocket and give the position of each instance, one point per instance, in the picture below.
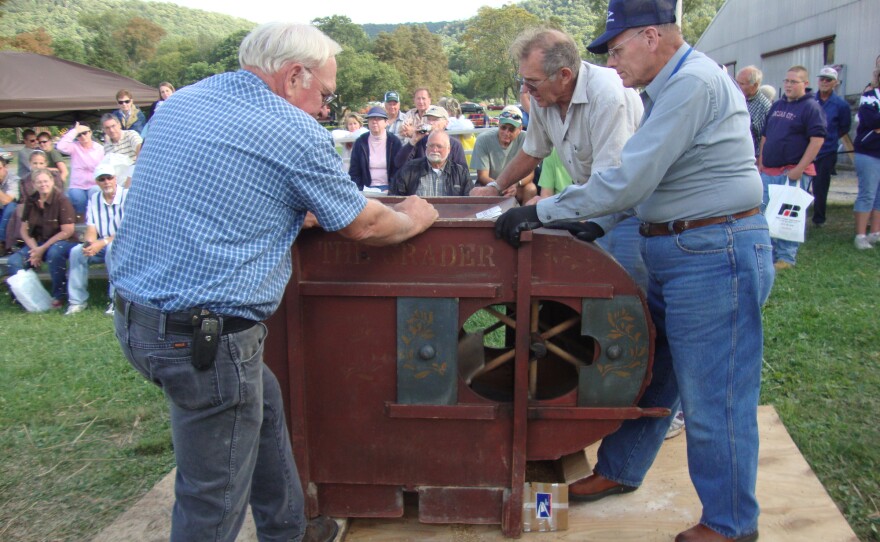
{"points": [[706, 240], [183, 384]]}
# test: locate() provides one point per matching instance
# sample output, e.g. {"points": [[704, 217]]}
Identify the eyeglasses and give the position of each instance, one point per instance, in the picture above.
{"points": [[509, 115], [531, 87], [615, 51], [87, 132], [826, 79], [103, 178], [793, 82], [121, 102], [326, 96]]}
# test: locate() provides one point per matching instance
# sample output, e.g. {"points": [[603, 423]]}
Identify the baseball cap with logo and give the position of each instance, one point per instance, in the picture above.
{"points": [[828, 72], [623, 14], [511, 115], [437, 111], [392, 96]]}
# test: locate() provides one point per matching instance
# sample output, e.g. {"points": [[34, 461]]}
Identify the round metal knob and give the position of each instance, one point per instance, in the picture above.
{"points": [[614, 352], [427, 352]]}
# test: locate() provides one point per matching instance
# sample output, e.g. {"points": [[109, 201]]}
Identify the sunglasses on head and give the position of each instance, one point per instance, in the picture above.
{"points": [[120, 102], [509, 115]]}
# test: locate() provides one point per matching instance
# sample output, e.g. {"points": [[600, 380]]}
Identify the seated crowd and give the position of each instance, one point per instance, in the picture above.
{"points": [[395, 153]]}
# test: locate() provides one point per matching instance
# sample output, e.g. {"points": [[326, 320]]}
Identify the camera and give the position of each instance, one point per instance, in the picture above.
{"points": [[425, 129]]}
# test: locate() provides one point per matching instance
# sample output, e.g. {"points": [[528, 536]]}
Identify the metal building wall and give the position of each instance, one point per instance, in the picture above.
{"points": [[744, 31]]}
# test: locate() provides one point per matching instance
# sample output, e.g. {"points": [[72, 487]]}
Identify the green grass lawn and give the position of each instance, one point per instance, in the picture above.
{"points": [[82, 436]]}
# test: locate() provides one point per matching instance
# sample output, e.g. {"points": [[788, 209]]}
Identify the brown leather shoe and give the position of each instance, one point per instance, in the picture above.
{"points": [[701, 533], [595, 487], [321, 529]]}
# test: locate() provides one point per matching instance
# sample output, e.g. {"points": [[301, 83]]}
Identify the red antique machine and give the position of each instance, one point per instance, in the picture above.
{"points": [[443, 365]]}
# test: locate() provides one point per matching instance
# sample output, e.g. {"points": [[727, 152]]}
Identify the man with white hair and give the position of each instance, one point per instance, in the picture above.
{"points": [[749, 81], [435, 119], [203, 268]]}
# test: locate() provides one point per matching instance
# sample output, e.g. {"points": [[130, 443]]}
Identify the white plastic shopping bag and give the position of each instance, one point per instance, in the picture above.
{"points": [[29, 291], [786, 212]]}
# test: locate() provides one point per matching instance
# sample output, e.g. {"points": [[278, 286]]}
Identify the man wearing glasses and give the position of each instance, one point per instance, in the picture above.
{"points": [[497, 147], [130, 117], [838, 117], [203, 257], [794, 133], [578, 108], [690, 173], [55, 158], [24, 155]]}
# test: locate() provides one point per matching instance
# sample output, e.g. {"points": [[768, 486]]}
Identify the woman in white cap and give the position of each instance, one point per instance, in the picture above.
{"points": [[372, 158]]}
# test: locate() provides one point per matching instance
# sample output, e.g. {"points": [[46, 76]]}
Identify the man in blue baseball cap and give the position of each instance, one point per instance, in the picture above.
{"points": [[689, 174], [392, 107]]}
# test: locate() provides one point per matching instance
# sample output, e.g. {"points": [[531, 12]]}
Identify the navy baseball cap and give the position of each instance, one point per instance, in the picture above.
{"points": [[392, 96], [623, 14], [377, 112]]}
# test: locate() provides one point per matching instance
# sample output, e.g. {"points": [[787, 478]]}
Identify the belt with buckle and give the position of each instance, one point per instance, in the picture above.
{"points": [[653, 229], [178, 323]]}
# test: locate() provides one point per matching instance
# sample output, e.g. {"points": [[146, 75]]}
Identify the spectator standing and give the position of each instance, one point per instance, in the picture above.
{"points": [[497, 147], [433, 175], [415, 117], [749, 81], [372, 158], [103, 217], [56, 160], [130, 117], [793, 135], [867, 158], [690, 172], [125, 142], [838, 119], [46, 228], [166, 89], [10, 185], [396, 119], [85, 155], [191, 245], [24, 155]]}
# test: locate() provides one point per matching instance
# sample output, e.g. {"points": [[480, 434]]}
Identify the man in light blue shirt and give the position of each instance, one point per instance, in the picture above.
{"points": [[203, 256], [689, 172]]}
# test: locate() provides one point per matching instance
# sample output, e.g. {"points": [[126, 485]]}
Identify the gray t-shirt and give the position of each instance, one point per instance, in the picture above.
{"points": [[489, 154]]}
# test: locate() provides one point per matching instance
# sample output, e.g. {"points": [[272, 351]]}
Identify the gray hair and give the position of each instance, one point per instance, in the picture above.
{"points": [[560, 51], [272, 45], [756, 76], [109, 116], [768, 91]]}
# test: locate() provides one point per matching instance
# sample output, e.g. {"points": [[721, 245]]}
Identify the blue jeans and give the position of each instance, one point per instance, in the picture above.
{"points": [[79, 198], [78, 275], [705, 291], [55, 257], [783, 249], [868, 172], [230, 438], [8, 213], [623, 242]]}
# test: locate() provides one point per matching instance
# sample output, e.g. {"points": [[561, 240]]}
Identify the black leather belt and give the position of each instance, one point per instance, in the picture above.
{"points": [[653, 229], [178, 323]]}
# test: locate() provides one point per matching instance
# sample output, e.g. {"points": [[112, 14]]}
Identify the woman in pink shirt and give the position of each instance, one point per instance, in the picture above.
{"points": [[85, 155]]}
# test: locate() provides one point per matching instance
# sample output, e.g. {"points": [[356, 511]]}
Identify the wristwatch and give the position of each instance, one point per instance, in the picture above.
{"points": [[494, 185]]}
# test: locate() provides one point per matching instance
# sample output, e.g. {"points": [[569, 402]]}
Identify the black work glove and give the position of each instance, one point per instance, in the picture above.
{"points": [[514, 221], [584, 231]]}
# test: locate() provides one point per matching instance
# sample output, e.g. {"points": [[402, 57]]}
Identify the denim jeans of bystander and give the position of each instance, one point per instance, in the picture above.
{"points": [[706, 289]]}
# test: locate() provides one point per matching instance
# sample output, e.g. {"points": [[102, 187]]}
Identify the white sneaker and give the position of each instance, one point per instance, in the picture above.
{"points": [[874, 238], [676, 427], [862, 242], [73, 309], [111, 309]]}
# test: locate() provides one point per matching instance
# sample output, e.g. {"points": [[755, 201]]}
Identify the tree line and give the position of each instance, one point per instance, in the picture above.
{"points": [[155, 42]]}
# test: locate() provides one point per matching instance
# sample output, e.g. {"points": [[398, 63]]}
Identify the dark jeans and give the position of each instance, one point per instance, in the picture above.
{"points": [[821, 183], [55, 258], [230, 439]]}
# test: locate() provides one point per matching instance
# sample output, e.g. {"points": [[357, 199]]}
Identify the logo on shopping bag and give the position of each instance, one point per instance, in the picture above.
{"points": [[543, 507], [789, 210]]}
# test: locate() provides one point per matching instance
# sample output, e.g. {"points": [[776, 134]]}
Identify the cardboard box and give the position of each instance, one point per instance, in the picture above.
{"points": [[545, 500]]}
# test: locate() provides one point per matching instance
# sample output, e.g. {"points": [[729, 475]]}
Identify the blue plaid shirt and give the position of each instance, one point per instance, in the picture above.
{"points": [[219, 194]]}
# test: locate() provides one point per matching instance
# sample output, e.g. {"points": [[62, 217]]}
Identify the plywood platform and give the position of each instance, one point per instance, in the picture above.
{"points": [[795, 507]]}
